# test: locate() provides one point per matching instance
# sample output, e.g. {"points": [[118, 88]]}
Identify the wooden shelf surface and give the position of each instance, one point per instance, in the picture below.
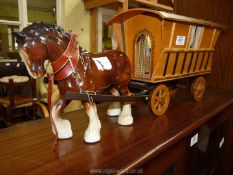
{"points": [[27, 148]]}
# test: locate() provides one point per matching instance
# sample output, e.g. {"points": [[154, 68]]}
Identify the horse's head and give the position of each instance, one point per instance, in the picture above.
{"points": [[39, 42], [33, 52]]}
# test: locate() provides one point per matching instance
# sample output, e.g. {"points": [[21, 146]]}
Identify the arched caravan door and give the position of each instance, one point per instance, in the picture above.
{"points": [[143, 54]]}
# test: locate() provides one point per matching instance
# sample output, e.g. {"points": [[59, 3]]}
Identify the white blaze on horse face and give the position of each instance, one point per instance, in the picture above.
{"points": [[102, 63], [26, 60]]}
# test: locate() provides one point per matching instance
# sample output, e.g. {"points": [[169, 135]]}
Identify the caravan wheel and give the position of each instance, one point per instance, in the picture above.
{"points": [[198, 88], [159, 99]]}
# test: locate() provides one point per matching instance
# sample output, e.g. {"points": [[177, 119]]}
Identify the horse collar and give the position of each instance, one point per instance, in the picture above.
{"points": [[66, 63]]}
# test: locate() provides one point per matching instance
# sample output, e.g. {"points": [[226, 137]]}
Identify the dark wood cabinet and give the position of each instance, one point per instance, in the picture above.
{"points": [[152, 145], [171, 162], [205, 155]]}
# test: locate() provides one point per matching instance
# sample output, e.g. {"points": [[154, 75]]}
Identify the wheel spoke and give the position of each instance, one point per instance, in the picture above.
{"points": [[164, 94], [201, 86], [156, 104], [159, 107], [156, 98], [196, 92], [160, 93]]}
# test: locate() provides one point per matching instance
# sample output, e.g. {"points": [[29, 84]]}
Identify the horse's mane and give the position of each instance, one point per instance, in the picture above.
{"points": [[42, 28]]}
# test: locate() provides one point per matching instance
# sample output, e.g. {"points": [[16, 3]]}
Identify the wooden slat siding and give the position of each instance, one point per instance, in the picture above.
{"points": [[188, 37], [194, 60], [190, 63], [179, 62], [158, 70], [207, 62], [171, 63], [199, 61], [175, 65], [202, 60], [194, 68], [172, 34], [212, 40], [217, 33], [166, 64], [183, 64], [207, 37], [188, 58]]}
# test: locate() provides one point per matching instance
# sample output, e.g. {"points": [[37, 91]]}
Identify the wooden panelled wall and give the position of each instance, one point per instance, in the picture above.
{"points": [[220, 11]]}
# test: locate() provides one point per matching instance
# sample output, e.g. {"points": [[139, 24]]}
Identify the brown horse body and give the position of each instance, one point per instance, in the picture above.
{"points": [[95, 76], [75, 71]]}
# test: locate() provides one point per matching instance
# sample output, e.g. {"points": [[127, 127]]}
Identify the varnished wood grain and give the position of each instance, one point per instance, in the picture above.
{"points": [[220, 12], [26, 148]]}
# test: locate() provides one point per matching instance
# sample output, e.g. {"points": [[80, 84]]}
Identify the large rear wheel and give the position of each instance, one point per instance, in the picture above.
{"points": [[198, 88]]}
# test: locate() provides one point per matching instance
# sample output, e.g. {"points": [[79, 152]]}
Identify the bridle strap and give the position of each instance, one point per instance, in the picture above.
{"points": [[59, 62], [63, 66], [50, 93]]}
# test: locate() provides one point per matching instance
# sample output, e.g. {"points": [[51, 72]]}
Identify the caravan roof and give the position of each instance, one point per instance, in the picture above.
{"points": [[120, 18]]}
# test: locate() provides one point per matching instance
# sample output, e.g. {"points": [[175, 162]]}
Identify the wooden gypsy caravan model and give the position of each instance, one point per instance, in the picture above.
{"points": [[163, 47]]}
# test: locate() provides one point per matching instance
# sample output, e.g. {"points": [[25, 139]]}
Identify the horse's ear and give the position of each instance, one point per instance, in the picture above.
{"points": [[19, 36]]}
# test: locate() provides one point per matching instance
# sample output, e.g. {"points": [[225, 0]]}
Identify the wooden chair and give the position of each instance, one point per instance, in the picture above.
{"points": [[20, 93]]}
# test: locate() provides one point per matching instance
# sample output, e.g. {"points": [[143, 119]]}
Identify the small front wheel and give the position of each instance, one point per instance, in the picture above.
{"points": [[159, 99]]}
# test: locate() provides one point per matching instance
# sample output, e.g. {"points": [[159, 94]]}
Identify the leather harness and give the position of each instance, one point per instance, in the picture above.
{"points": [[66, 63], [65, 66], [62, 68]]}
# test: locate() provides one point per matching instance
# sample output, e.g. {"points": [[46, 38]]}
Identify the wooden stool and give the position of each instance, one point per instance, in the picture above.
{"points": [[21, 92]]}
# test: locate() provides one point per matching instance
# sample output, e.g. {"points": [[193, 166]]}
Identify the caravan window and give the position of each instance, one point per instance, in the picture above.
{"points": [[195, 36]]}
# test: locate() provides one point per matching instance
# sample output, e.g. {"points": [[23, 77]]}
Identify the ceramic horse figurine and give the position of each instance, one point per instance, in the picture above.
{"points": [[76, 70]]}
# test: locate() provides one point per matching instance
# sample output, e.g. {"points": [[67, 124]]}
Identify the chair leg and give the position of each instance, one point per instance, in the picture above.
{"points": [[2, 112], [43, 109], [7, 119]]}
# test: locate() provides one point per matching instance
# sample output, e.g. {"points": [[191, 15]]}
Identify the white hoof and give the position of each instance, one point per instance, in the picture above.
{"points": [[114, 109], [92, 136], [64, 129], [125, 120], [113, 112]]}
